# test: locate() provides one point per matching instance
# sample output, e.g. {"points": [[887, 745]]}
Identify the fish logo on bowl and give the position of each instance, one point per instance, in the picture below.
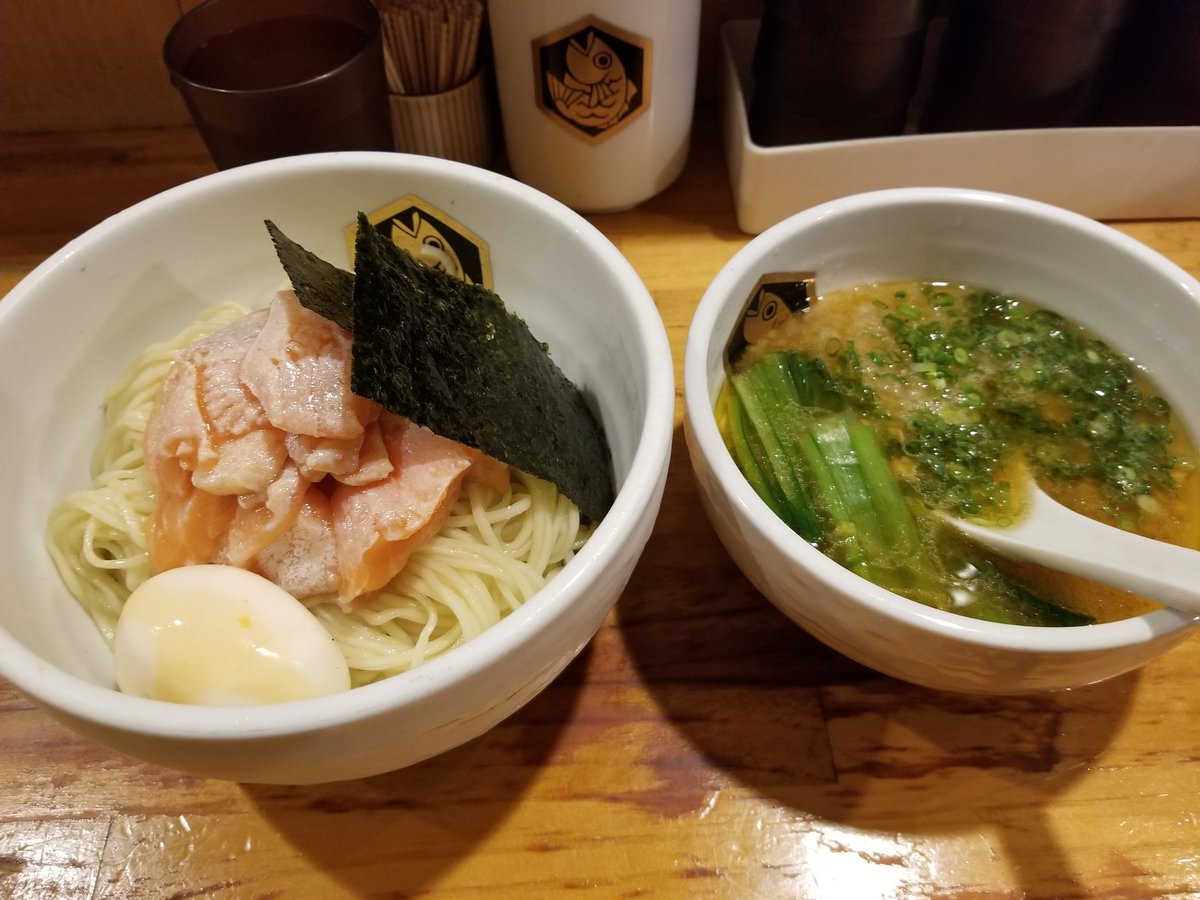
{"points": [[592, 77], [433, 237], [775, 298]]}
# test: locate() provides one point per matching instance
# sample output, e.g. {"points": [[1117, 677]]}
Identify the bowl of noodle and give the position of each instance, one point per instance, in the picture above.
{"points": [[510, 578]]}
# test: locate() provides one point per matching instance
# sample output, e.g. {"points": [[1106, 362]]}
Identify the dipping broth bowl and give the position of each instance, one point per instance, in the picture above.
{"points": [[73, 325], [1130, 296]]}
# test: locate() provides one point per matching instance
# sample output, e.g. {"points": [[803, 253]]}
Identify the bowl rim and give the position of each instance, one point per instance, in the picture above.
{"points": [[753, 510], [68, 694]]}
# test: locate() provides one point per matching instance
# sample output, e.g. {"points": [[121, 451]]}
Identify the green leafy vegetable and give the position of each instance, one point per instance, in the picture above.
{"points": [[449, 356], [827, 475], [768, 399], [825, 472], [873, 530]]}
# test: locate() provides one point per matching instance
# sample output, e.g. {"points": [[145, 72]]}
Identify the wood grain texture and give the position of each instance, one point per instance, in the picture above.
{"points": [[71, 66], [701, 746]]}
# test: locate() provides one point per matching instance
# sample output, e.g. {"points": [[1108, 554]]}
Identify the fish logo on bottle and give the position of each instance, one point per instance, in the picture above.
{"points": [[433, 237], [593, 78]]}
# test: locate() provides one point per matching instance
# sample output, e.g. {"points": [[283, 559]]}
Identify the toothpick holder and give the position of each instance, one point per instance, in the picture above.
{"points": [[456, 124]]}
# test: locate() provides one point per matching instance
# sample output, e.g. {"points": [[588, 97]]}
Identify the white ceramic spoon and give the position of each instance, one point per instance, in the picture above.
{"points": [[1054, 536]]}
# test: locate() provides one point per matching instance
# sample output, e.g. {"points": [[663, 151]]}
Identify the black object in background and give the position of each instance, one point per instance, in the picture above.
{"points": [[835, 69], [1021, 63], [1153, 71]]}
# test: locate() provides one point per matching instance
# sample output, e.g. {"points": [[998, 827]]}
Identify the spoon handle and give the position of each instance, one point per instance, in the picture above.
{"points": [[1052, 535]]}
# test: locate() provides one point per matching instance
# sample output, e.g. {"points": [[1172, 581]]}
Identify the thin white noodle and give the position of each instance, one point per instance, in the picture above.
{"points": [[492, 554]]}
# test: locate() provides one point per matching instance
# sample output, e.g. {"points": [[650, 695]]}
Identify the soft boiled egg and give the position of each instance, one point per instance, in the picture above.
{"points": [[221, 636]]}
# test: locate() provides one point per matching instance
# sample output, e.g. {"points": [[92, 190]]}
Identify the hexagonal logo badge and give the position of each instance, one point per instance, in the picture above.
{"points": [[593, 78], [775, 298], [433, 237]]}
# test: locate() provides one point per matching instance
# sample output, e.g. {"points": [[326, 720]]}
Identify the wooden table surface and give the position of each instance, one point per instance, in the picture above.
{"points": [[701, 746]]}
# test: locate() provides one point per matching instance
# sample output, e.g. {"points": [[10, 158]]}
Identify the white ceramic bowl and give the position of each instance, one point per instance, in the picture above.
{"points": [[71, 326], [1123, 291]]}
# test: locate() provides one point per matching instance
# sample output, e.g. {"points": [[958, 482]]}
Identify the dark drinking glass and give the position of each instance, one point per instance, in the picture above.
{"points": [[270, 78]]}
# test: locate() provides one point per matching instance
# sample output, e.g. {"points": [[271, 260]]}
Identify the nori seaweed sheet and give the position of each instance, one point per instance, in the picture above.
{"points": [[319, 285], [450, 356]]}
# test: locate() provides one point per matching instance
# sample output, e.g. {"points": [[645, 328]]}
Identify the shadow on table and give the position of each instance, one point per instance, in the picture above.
{"points": [[398, 833], [761, 704]]}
